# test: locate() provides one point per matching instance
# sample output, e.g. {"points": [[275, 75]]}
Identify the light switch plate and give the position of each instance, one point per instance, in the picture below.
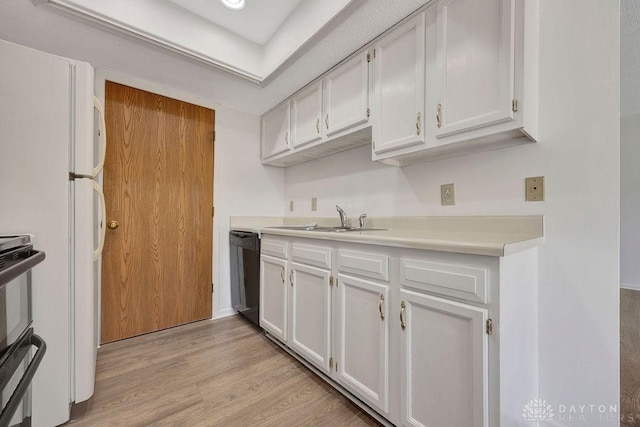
{"points": [[448, 194], [290, 205], [314, 204], [534, 189]]}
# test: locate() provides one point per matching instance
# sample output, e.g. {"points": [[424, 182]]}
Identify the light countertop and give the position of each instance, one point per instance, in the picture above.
{"points": [[487, 235]]}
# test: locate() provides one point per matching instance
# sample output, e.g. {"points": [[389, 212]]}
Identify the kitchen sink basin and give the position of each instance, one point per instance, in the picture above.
{"points": [[345, 229], [312, 227]]}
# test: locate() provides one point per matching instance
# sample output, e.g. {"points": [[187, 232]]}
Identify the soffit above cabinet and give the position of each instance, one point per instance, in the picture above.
{"points": [[261, 42]]}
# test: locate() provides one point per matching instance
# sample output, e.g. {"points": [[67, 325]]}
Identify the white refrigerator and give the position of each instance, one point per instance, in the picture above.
{"points": [[51, 155]]}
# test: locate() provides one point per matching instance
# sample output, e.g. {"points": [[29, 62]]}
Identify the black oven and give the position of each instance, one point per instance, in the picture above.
{"points": [[18, 364]]}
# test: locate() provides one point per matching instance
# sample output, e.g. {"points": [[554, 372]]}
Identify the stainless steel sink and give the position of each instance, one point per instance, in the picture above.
{"points": [[326, 229], [345, 229]]}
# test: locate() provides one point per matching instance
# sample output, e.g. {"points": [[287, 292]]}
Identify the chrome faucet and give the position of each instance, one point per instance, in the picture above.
{"points": [[361, 220], [343, 216]]}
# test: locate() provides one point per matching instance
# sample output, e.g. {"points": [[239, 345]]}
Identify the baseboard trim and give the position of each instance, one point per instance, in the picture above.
{"points": [[225, 313], [630, 286]]}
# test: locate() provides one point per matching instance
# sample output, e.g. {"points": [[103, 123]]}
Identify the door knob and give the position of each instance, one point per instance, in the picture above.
{"points": [[112, 225]]}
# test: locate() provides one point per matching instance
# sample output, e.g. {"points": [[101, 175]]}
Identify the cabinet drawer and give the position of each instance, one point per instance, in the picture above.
{"points": [[277, 248], [468, 283], [316, 256], [363, 264]]}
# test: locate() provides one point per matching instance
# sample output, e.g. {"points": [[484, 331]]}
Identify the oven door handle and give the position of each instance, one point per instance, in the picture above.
{"points": [[25, 381]]}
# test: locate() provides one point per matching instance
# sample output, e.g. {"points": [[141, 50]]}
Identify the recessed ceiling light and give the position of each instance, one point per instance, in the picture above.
{"points": [[233, 4]]}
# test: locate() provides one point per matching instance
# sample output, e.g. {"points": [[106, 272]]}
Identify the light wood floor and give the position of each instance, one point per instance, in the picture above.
{"points": [[210, 373], [630, 357]]}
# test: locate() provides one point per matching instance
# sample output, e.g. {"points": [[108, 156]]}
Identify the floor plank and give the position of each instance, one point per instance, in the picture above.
{"points": [[210, 373], [630, 357]]}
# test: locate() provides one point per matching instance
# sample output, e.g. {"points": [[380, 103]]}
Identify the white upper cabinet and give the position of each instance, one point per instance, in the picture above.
{"points": [[275, 131], [346, 95], [475, 63], [398, 87], [306, 113]]}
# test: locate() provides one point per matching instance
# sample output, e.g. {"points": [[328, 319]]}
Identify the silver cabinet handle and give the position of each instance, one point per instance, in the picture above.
{"points": [[403, 325], [286, 137], [418, 124], [326, 121], [439, 116], [318, 125], [291, 277], [380, 308], [282, 275]]}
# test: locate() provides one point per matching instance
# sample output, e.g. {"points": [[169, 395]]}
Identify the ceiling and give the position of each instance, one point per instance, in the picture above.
{"points": [[256, 43], [629, 57], [141, 58], [256, 22]]}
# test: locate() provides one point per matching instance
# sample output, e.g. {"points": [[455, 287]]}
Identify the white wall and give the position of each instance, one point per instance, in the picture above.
{"points": [[577, 152], [630, 201], [243, 187]]}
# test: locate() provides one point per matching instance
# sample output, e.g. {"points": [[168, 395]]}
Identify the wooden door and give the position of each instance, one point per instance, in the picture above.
{"points": [[158, 183], [311, 314], [444, 362], [346, 96], [475, 56], [398, 87], [273, 296], [363, 339]]}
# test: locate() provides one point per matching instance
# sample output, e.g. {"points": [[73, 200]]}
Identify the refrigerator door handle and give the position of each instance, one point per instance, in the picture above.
{"points": [[103, 136], [103, 230]]}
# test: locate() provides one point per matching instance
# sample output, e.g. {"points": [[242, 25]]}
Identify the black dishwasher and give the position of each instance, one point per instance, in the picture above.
{"points": [[245, 274]]}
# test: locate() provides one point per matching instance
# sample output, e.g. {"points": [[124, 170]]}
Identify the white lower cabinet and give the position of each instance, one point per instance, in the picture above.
{"points": [[310, 323], [443, 362], [413, 334], [362, 339], [273, 296]]}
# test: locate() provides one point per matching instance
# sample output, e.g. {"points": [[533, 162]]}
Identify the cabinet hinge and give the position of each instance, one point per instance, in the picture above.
{"points": [[213, 211], [514, 105], [368, 112], [331, 363], [489, 326], [212, 288], [368, 57], [331, 281], [336, 366], [374, 54]]}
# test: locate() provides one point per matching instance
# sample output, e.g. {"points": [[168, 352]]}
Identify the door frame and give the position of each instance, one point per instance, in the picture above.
{"points": [[101, 76]]}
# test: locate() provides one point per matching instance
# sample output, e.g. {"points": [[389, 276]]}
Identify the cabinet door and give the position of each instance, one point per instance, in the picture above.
{"points": [[275, 131], [306, 110], [398, 88], [444, 362], [310, 314], [475, 56], [346, 96], [273, 296], [362, 340]]}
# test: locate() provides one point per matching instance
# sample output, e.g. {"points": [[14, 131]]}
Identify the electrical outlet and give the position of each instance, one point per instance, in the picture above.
{"points": [[314, 204], [290, 205], [534, 189], [448, 194]]}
